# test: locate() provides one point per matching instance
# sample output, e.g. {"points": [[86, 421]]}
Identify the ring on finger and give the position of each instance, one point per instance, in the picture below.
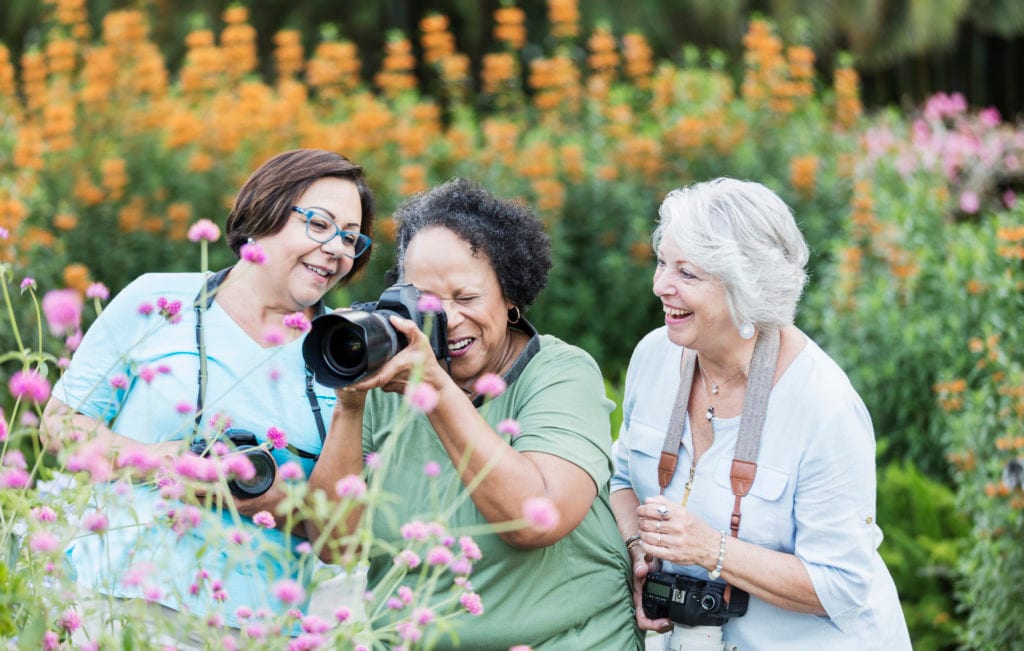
{"points": [[659, 540], [657, 526], [662, 510]]}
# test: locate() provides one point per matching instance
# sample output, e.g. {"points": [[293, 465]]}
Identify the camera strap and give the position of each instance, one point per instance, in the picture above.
{"points": [[748, 441], [201, 303]]}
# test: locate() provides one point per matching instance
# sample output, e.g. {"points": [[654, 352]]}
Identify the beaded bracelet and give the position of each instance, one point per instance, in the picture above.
{"points": [[715, 573], [633, 541]]}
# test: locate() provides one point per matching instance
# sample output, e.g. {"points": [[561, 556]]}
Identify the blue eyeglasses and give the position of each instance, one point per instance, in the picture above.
{"points": [[321, 228]]}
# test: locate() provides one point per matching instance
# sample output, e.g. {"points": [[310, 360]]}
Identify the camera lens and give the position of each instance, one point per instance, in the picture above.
{"points": [[345, 350], [261, 480]]}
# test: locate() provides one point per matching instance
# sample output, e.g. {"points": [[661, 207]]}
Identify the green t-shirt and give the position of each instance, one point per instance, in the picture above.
{"points": [[573, 594]]}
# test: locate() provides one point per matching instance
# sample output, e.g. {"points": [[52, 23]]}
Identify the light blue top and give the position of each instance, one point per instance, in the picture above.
{"points": [[255, 387], [813, 496]]}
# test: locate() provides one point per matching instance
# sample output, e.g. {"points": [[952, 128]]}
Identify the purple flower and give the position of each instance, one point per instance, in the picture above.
{"points": [[277, 438], [51, 641], [253, 253], [29, 385], [408, 558], [73, 342], [119, 381], [28, 283], [43, 542], [343, 614], [351, 486], [440, 555], [15, 478], [291, 471], [204, 229], [296, 321], [969, 202], [469, 548], [372, 460], [264, 519], [429, 303], [541, 513], [431, 469], [489, 385], [44, 514], [145, 309], [63, 311], [97, 290], [423, 616], [95, 522], [170, 310], [509, 426], [183, 407], [472, 603], [422, 397], [4, 233], [288, 591], [3, 426], [69, 621], [273, 336]]}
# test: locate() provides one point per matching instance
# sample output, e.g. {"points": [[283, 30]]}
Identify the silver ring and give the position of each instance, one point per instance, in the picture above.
{"points": [[659, 540], [657, 526], [662, 510]]}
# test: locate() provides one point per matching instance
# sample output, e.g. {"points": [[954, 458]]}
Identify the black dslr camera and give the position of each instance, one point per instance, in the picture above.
{"points": [[690, 601], [344, 347], [244, 441]]}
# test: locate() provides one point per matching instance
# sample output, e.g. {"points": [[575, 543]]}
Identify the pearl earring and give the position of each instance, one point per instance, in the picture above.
{"points": [[746, 329], [251, 241]]}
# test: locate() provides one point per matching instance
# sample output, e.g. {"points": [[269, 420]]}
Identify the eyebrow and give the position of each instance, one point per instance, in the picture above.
{"points": [[334, 219]]}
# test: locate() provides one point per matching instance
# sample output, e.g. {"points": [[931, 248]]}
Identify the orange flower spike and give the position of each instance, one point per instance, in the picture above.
{"points": [[289, 56], [510, 26], [564, 16]]}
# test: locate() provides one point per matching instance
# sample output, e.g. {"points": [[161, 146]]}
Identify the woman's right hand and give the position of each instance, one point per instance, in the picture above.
{"points": [[641, 568]]}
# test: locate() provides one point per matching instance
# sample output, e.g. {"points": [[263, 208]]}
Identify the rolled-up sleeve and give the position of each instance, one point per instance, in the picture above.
{"points": [[836, 533]]}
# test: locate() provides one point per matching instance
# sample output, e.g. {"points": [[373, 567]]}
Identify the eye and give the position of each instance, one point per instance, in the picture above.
{"points": [[349, 238], [320, 224]]}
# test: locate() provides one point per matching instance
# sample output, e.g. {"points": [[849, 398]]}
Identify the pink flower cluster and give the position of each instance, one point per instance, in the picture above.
{"points": [[63, 311], [170, 310], [204, 229], [29, 385], [297, 321]]}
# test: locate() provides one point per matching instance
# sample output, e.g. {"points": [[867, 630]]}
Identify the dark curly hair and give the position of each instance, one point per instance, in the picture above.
{"points": [[508, 232]]}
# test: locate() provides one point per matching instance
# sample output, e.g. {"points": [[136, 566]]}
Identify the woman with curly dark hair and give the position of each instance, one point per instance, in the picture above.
{"points": [[542, 444]]}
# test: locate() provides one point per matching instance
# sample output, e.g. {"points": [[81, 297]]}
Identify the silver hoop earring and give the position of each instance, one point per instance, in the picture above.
{"points": [[519, 315], [746, 329]]}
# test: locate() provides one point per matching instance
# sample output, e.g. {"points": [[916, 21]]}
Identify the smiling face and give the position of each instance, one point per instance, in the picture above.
{"points": [[299, 271], [696, 311], [441, 263]]}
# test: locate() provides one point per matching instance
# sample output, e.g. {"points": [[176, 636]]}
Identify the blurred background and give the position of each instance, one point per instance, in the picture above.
{"points": [[892, 127]]}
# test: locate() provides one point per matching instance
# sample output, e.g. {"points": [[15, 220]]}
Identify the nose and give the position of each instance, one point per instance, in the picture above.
{"points": [[333, 246], [451, 313], [660, 285]]}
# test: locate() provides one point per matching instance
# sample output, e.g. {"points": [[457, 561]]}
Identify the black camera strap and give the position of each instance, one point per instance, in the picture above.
{"points": [[748, 441], [201, 303]]}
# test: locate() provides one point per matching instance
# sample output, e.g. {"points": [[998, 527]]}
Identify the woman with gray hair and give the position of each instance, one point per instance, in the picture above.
{"points": [[744, 480]]}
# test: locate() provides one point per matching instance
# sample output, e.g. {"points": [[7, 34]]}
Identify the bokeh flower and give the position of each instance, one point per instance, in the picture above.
{"points": [[296, 321], [264, 519], [541, 513], [509, 426], [288, 591], [252, 252], [204, 229], [63, 311], [422, 397], [97, 290], [29, 385], [489, 385], [429, 303], [472, 602], [351, 486]]}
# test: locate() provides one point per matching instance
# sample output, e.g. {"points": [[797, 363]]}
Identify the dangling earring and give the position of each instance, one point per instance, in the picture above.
{"points": [[746, 329], [251, 241], [519, 315]]}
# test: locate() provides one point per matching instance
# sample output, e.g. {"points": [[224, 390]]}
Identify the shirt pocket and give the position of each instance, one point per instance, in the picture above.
{"points": [[766, 511], [646, 440]]}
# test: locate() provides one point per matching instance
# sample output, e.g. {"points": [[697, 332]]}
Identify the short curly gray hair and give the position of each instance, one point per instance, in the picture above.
{"points": [[745, 237]]}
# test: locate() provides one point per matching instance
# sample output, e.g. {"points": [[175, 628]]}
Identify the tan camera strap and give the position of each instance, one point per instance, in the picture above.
{"points": [[748, 441]]}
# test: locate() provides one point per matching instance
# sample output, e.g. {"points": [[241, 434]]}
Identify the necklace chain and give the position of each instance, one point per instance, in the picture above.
{"points": [[709, 414]]}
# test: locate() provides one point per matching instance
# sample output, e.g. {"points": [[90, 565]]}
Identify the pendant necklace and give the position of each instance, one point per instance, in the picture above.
{"points": [[709, 414]]}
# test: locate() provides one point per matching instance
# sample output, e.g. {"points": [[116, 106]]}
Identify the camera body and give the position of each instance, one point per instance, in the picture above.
{"points": [[343, 347], [244, 441], [689, 601]]}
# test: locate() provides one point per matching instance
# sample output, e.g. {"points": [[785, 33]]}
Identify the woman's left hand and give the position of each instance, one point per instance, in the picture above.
{"points": [[394, 375], [671, 533]]}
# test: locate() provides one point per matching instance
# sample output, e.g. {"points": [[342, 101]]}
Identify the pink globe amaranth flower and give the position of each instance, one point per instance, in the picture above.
{"points": [[28, 283], [541, 513], [429, 303], [170, 310], [43, 514], [97, 290], [521, 647], [422, 397], [969, 202], [152, 593], [313, 624], [243, 612], [253, 253], [394, 603], [95, 522], [51, 641], [296, 321], [431, 469], [3, 426], [489, 385], [63, 311], [139, 457], [15, 478], [239, 465], [472, 602], [351, 486], [119, 381], [289, 592], [509, 426], [415, 530], [408, 558], [469, 548], [408, 631], [256, 631], [460, 566], [343, 614], [291, 471], [439, 556], [29, 385], [306, 642], [273, 336], [239, 537], [372, 460], [228, 643], [145, 308], [277, 438], [405, 594], [304, 547], [70, 621], [15, 459], [183, 407], [72, 342], [264, 519], [137, 574], [1010, 199], [43, 542], [204, 229], [4, 233]]}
